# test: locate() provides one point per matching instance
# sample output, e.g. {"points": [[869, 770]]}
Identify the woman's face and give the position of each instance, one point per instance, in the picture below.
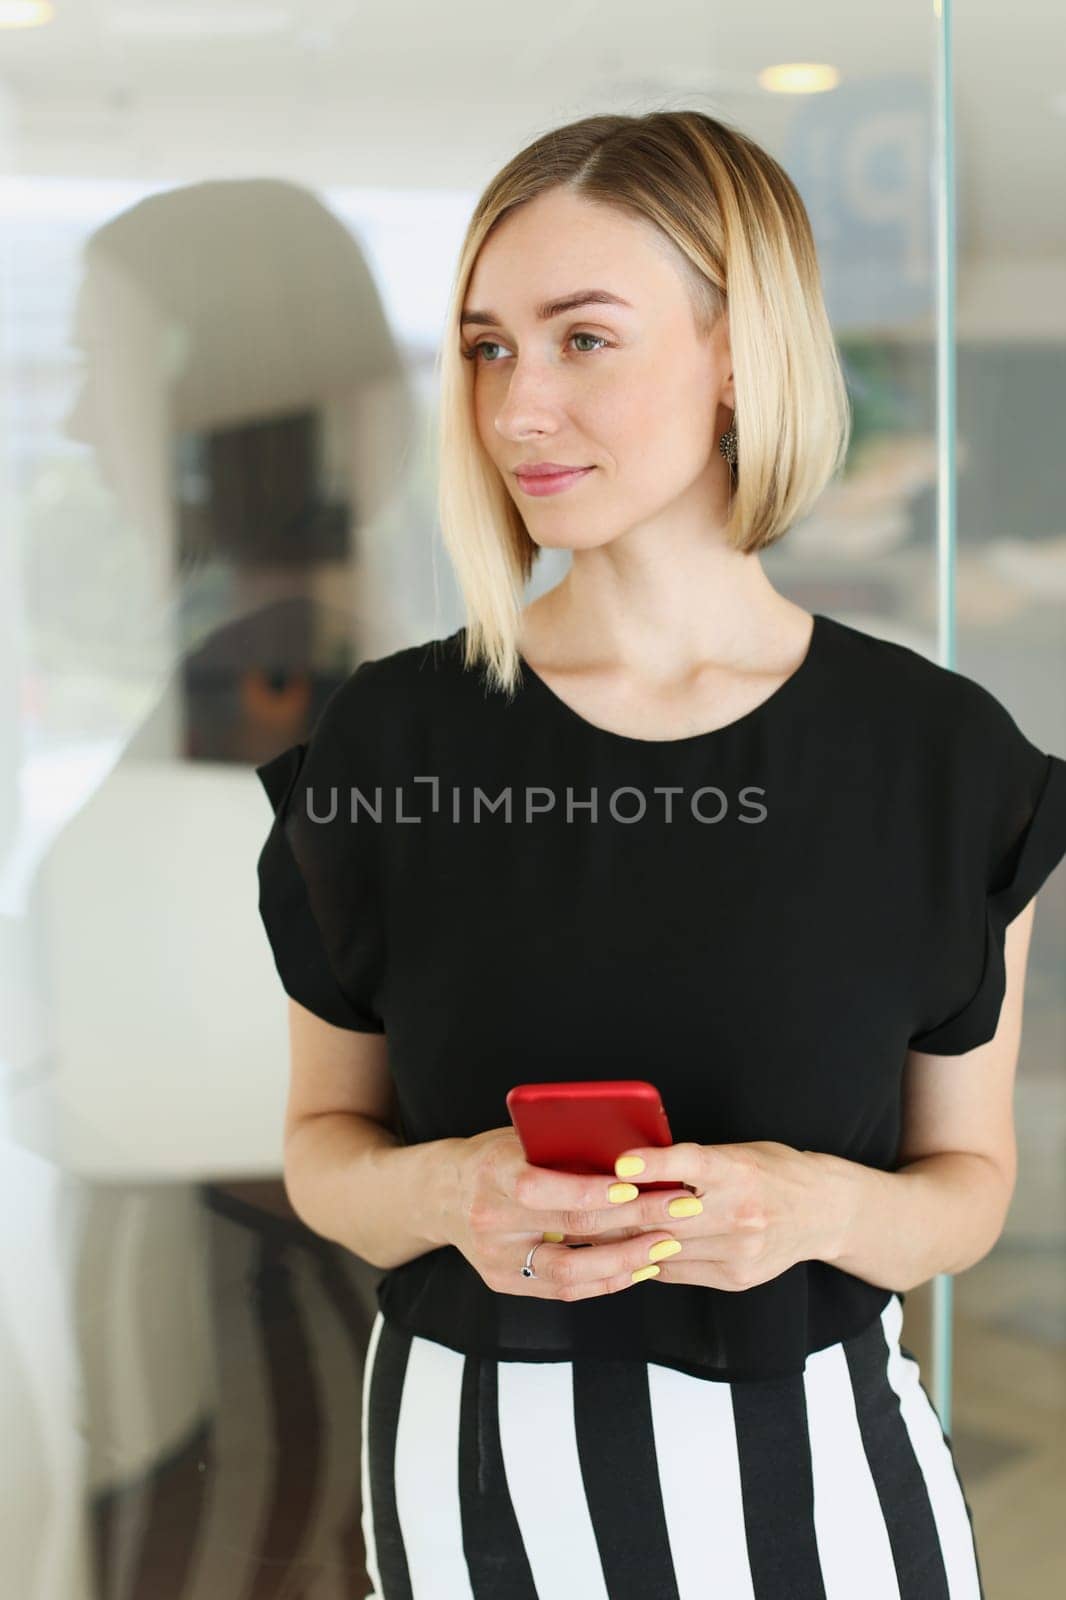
{"points": [[629, 391]]}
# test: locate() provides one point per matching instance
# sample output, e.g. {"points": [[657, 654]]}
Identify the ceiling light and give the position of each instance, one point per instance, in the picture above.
{"points": [[799, 77], [25, 13]]}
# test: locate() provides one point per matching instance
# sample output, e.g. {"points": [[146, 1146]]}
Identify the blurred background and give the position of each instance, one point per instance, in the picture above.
{"points": [[228, 235]]}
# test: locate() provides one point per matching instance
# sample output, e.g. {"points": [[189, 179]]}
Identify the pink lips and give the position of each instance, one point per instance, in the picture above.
{"points": [[546, 480]]}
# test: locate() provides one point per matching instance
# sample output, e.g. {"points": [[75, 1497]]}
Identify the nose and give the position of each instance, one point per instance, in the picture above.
{"points": [[531, 404]]}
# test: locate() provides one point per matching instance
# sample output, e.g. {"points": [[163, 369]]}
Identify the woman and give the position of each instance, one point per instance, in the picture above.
{"points": [[680, 830]]}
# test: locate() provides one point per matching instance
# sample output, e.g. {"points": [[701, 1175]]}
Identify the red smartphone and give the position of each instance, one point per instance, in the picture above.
{"points": [[582, 1127]]}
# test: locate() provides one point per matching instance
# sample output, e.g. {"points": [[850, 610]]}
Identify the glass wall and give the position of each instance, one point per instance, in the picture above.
{"points": [[229, 232], [1009, 577]]}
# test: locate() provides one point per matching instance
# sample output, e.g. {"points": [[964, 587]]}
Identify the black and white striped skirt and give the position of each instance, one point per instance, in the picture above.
{"points": [[626, 1480]]}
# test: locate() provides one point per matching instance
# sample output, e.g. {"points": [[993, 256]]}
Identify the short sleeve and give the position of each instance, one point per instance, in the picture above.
{"points": [[1010, 800], [318, 879]]}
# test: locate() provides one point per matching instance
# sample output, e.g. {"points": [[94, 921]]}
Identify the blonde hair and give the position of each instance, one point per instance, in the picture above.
{"points": [[743, 241]]}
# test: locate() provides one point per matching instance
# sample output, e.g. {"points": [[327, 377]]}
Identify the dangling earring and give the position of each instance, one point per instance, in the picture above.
{"points": [[727, 444]]}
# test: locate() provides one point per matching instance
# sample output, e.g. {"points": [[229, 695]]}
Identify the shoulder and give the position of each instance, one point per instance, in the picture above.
{"points": [[386, 698], [383, 682], [942, 739], [895, 682]]}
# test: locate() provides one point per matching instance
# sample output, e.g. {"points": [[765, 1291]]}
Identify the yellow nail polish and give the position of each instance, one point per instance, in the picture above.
{"points": [[628, 1166], [622, 1191], [554, 1238], [685, 1205], [665, 1247], [645, 1272]]}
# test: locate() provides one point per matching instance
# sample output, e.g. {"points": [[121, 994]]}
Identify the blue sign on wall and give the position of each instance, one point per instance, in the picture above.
{"points": [[863, 158]]}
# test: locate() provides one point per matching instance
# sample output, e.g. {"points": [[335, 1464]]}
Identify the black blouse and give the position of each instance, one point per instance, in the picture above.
{"points": [[761, 920]]}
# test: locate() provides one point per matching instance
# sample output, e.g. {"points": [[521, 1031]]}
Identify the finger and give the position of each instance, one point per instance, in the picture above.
{"points": [[707, 1274], [609, 1237], [687, 1162], [575, 1274], [651, 1210], [543, 1189]]}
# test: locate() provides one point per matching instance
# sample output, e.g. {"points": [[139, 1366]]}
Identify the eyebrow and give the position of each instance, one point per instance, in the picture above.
{"points": [[550, 308]]}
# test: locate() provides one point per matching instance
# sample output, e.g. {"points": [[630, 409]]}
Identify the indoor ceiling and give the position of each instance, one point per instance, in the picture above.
{"points": [[407, 93]]}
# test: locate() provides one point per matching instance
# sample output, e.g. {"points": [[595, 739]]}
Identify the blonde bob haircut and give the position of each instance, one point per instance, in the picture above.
{"points": [[743, 242]]}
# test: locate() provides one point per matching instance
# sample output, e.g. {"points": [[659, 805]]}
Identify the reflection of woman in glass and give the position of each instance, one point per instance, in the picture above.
{"points": [[246, 404], [759, 858], [248, 412]]}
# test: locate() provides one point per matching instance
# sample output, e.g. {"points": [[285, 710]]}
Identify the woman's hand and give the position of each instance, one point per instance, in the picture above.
{"points": [[500, 1206], [756, 1210], [764, 1206]]}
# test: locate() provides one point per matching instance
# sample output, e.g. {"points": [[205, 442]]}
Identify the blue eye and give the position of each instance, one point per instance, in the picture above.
{"points": [[472, 353]]}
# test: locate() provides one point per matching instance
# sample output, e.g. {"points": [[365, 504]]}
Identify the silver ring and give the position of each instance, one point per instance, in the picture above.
{"points": [[527, 1270]]}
